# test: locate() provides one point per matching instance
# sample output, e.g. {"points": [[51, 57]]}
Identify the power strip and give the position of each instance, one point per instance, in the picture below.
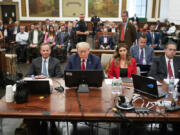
{"points": [[142, 110]]}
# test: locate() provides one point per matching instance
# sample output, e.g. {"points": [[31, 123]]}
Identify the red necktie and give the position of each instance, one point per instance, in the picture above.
{"points": [[122, 33], [170, 70], [83, 64]]}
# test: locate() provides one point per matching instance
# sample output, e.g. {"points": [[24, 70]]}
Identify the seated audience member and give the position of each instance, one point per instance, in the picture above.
{"points": [[137, 31], [172, 29], [166, 65], [21, 40], [40, 25], [56, 28], [44, 67], [122, 64], [31, 27], [50, 37], [47, 23], [100, 27], [35, 40], [142, 52], [60, 50], [167, 26], [112, 27], [153, 38], [144, 30], [83, 59], [158, 26], [105, 41], [44, 29]]}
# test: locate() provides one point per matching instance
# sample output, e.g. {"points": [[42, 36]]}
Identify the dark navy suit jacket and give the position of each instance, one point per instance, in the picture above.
{"points": [[74, 62], [101, 41], [149, 38]]}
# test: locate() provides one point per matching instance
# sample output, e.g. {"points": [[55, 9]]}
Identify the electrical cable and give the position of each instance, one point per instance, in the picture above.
{"points": [[79, 103]]}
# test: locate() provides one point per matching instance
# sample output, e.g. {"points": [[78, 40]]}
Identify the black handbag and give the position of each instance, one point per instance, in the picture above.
{"points": [[21, 94]]}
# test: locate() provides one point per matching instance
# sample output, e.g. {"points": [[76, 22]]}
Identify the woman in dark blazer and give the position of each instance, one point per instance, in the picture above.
{"points": [[122, 64]]}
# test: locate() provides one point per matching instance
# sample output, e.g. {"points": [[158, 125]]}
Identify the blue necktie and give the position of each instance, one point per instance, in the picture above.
{"points": [[44, 70]]}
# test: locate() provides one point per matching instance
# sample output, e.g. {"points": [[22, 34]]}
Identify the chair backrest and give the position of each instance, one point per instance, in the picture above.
{"points": [[105, 59]]}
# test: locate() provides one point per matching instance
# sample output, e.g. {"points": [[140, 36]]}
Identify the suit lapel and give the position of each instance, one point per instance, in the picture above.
{"points": [[175, 67], [88, 64], [137, 50], [78, 61], [164, 65], [146, 55], [49, 65], [40, 64], [127, 27]]}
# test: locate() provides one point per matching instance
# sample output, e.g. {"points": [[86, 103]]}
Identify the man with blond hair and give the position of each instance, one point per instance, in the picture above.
{"points": [[83, 59]]}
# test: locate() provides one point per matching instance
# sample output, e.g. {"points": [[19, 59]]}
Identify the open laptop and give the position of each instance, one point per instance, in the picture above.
{"points": [[147, 86], [36, 86]]}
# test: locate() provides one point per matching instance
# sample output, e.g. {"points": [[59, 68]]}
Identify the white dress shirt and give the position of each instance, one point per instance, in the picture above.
{"points": [[35, 37], [172, 66], [171, 30], [22, 38], [5, 33]]}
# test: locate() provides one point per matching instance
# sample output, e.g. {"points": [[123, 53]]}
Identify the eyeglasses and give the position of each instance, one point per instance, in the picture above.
{"points": [[122, 50]]}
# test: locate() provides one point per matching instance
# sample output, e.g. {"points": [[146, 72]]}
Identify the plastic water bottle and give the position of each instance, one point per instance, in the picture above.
{"points": [[114, 84], [175, 95], [119, 86], [171, 85], [32, 76]]}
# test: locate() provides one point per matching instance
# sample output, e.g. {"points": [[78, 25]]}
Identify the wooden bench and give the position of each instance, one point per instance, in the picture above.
{"points": [[99, 52]]}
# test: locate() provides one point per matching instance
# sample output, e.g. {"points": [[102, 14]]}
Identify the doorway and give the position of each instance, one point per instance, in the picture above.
{"points": [[7, 12]]}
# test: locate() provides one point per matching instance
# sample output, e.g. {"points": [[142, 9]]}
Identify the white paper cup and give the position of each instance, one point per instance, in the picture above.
{"points": [[9, 94]]}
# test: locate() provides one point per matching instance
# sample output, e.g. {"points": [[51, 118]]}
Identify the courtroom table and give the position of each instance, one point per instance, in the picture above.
{"points": [[96, 106], [99, 52]]}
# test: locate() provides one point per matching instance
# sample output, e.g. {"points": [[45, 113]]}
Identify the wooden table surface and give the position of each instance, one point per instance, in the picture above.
{"points": [[64, 106]]}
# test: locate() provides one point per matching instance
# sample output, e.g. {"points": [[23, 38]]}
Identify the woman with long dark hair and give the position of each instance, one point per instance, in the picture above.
{"points": [[50, 36], [122, 64]]}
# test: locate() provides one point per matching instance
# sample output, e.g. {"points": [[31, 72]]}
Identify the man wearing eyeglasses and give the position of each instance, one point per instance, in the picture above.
{"points": [[167, 65]]}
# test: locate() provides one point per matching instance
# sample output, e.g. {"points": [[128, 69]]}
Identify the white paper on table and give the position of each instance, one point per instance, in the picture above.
{"points": [[108, 81], [158, 83]]}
